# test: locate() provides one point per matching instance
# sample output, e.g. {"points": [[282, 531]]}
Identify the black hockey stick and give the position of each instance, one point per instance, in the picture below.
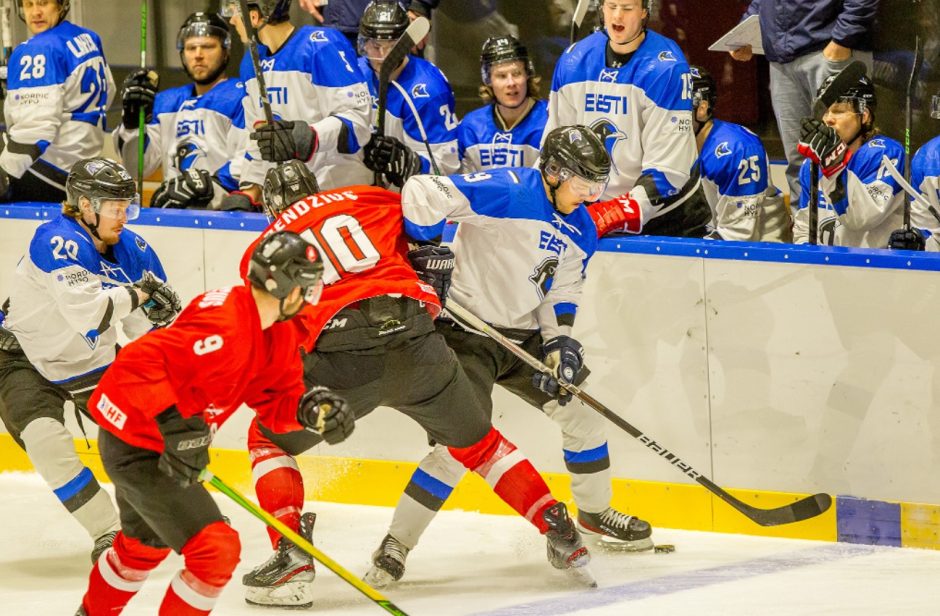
{"points": [[915, 67], [255, 59], [424, 133], [803, 509], [845, 78], [579, 12], [417, 30]]}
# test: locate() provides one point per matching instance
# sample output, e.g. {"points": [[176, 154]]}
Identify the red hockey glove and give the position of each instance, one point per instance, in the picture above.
{"points": [[619, 214], [820, 143]]}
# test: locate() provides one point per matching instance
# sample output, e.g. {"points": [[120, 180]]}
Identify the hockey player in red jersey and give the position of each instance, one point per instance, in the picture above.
{"points": [[372, 340], [165, 396]]}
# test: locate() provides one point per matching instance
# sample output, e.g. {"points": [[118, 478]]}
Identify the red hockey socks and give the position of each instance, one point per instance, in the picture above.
{"points": [[119, 574], [278, 483], [210, 557], [510, 475]]}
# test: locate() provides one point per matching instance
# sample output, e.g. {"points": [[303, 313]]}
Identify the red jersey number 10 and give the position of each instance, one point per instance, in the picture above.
{"points": [[343, 245]]}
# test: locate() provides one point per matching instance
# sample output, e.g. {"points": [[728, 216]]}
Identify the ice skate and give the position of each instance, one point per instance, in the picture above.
{"points": [[388, 563], [102, 543], [615, 530], [286, 578], [565, 549]]}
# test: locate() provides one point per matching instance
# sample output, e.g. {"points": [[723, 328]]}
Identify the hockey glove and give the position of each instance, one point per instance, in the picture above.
{"points": [[185, 446], [8, 342], [821, 144], [163, 305], [907, 239], [193, 188], [565, 357], [434, 265], [238, 201], [325, 413], [283, 141], [138, 92], [621, 214], [392, 158]]}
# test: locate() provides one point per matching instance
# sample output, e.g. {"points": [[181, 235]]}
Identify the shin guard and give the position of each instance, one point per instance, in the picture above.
{"points": [[278, 482], [210, 557], [119, 574]]}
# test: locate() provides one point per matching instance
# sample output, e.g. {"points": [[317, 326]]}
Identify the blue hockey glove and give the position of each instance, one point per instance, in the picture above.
{"points": [[565, 357]]}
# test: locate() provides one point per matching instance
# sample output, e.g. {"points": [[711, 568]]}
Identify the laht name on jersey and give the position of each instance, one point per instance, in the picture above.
{"points": [[549, 241], [605, 103], [82, 45]]}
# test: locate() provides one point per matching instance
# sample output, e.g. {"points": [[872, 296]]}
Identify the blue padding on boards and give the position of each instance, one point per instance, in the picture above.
{"points": [[869, 522]]}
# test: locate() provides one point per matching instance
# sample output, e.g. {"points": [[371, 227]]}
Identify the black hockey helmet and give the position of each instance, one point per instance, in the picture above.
{"points": [[285, 185], [100, 179], [201, 23], [65, 4], [272, 11], [703, 88], [284, 260], [861, 94], [575, 151], [499, 49], [384, 20]]}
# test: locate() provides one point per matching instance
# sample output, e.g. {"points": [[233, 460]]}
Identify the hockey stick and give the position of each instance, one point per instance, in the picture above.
{"points": [[417, 30], [417, 117], [813, 203], [803, 509], [141, 117], [240, 499], [255, 59], [915, 66], [579, 12], [908, 187]]}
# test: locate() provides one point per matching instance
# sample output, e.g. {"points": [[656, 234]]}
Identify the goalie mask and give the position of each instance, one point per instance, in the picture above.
{"points": [[283, 261], [577, 154], [285, 185]]}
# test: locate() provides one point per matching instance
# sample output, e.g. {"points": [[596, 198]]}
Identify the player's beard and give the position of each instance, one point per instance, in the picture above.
{"points": [[210, 77]]}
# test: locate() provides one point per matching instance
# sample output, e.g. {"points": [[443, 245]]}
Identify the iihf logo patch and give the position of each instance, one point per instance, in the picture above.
{"points": [[666, 56], [722, 149], [420, 90], [140, 243], [608, 75]]}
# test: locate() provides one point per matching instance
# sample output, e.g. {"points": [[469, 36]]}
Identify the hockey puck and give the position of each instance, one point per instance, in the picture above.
{"points": [[664, 548]]}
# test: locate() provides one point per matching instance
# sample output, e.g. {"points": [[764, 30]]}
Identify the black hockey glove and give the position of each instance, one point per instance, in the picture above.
{"points": [[283, 141], [325, 413], [164, 304], [565, 356], [4, 185], [138, 92], [8, 342], [391, 157], [185, 446], [192, 188], [821, 144], [238, 201], [434, 265], [907, 239]]}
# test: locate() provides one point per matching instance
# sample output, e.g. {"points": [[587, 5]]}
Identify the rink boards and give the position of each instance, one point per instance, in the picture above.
{"points": [[776, 370]]}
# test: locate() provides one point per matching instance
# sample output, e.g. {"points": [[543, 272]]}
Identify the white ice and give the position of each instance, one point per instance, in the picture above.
{"points": [[469, 563]]}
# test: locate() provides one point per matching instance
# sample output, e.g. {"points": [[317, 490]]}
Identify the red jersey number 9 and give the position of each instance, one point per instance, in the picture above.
{"points": [[207, 345]]}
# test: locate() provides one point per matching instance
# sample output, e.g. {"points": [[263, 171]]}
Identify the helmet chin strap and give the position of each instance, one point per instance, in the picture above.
{"points": [[93, 227]]}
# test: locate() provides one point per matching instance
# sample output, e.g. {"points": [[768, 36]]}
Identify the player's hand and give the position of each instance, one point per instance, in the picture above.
{"points": [[621, 214], [327, 414], [192, 188], [821, 144], [138, 92], [239, 201], [907, 239], [185, 446], [164, 303], [434, 265], [4, 185], [392, 158], [313, 7], [565, 357], [283, 141], [742, 54]]}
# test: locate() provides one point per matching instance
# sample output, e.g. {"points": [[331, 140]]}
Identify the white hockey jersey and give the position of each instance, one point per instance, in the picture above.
{"points": [[189, 131], [67, 298], [313, 78], [925, 176], [644, 111], [745, 205], [859, 206], [519, 263], [484, 144], [59, 88], [419, 110]]}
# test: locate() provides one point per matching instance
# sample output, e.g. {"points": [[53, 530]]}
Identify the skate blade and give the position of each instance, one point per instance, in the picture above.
{"points": [[611, 544], [378, 578], [582, 575], [289, 595]]}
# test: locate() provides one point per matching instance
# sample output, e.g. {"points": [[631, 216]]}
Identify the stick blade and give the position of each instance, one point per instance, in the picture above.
{"points": [[845, 78], [579, 12], [803, 509]]}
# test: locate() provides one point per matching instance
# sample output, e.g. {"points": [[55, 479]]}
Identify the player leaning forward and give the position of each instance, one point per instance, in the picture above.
{"points": [[162, 400], [84, 276], [529, 288]]}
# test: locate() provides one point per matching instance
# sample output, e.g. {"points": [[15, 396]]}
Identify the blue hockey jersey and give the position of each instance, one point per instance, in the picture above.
{"points": [[745, 204], [519, 263], [859, 206], [59, 87], [419, 110], [313, 78], [67, 298], [925, 176], [189, 131], [485, 144]]}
